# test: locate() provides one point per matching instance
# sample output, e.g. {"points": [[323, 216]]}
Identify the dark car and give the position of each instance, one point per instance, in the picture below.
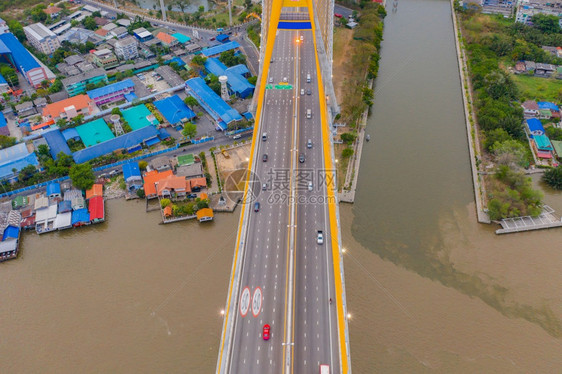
{"points": [[266, 330], [264, 157], [192, 196], [308, 92], [301, 158], [212, 39], [257, 207]]}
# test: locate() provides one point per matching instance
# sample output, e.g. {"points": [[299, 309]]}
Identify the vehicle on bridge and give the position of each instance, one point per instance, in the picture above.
{"points": [[257, 207], [265, 157], [301, 158], [266, 330], [309, 143], [264, 136], [320, 237], [324, 369]]}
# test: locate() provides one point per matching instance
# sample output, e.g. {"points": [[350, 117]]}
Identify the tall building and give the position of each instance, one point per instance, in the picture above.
{"points": [[126, 48], [43, 39], [77, 84]]}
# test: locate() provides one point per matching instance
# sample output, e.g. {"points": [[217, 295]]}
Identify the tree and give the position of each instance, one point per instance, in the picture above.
{"points": [[199, 61], [190, 101], [230, 59], [182, 4], [143, 165], [253, 80], [116, 111], [213, 83], [511, 153], [9, 74], [82, 176], [554, 133], [90, 23], [546, 23], [346, 153], [495, 136], [55, 87], [165, 202], [553, 177], [27, 173], [348, 137], [189, 130], [43, 151], [6, 141], [17, 29]]}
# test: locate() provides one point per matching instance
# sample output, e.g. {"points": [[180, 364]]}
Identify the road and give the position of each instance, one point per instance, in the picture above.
{"points": [[279, 241], [340, 9]]}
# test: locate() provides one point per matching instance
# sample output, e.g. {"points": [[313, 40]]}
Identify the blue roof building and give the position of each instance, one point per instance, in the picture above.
{"points": [[15, 157], [53, 190], [535, 126], [181, 37], [11, 232], [112, 92], [217, 108], [65, 206], [239, 69], [547, 105], [131, 172], [4, 130], [57, 143], [174, 110], [223, 38], [218, 49], [80, 217], [70, 133], [131, 142], [542, 142], [15, 54], [236, 82], [177, 60]]}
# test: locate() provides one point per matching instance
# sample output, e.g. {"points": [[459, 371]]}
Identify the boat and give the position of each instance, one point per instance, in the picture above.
{"points": [[368, 137]]}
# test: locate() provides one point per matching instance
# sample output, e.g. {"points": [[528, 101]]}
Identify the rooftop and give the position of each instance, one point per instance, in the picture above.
{"points": [[39, 31], [79, 102], [94, 132], [83, 76], [112, 88]]}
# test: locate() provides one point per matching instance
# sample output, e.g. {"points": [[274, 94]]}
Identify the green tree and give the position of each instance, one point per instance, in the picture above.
{"points": [[495, 136], [546, 23], [9, 74], [27, 173], [213, 83], [116, 111], [511, 153], [553, 177], [230, 59], [190, 101], [348, 137], [189, 130], [253, 80], [6, 141], [82, 176], [55, 87], [17, 29], [89, 23], [347, 152], [165, 202], [553, 133], [43, 151], [143, 165], [199, 61]]}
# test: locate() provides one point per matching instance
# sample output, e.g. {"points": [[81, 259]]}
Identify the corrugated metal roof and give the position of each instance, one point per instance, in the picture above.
{"points": [[22, 58], [80, 216], [109, 89], [174, 109], [57, 143], [208, 99], [218, 49]]}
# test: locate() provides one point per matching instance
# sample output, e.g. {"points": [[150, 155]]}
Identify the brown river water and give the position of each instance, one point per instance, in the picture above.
{"points": [[429, 289]]}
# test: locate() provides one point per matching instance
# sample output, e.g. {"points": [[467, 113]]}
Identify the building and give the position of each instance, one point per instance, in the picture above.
{"points": [[119, 32], [528, 8], [43, 39], [15, 158], [77, 84], [218, 49], [52, 11], [15, 54], [53, 191], [530, 109], [69, 108], [174, 110], [96, 209], [535, 127], [160, 164], [151, 178], [78, 35], [237, 83], [3, 27], [132, 176], [25, 109], [173, 187], [167, 39], [205, 214], [96, 190], [190, 171], [127, 48], [104, 58], [143, 34], [76, 199], [112, 92]]}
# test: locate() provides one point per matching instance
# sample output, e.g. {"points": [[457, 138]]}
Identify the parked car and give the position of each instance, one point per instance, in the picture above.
{"points": [[338, 15]]}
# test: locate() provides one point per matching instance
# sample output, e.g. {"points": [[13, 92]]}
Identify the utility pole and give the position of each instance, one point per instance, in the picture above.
{"points": [[163, 10], [230, 13]]}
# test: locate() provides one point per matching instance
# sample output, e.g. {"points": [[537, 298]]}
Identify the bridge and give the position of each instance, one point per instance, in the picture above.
{"points": [[287, 269]]}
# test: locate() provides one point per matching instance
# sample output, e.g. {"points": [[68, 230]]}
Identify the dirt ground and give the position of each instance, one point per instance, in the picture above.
{"points": [[232, 168], [342, 50]]}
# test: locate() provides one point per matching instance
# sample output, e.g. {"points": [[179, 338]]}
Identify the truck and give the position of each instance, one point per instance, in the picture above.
{"points": [[324, 369]]}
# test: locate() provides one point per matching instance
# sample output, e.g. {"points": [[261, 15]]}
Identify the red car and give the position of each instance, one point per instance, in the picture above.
{"points": [[338, 15], [266, 329]]}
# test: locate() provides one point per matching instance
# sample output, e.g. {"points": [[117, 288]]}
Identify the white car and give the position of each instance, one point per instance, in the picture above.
{"points": [[320, 237], [302, 91], [285, 79]]}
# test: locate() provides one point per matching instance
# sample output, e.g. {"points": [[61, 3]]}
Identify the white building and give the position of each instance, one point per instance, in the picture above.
{"points": [[43, 39], [126, 48]]}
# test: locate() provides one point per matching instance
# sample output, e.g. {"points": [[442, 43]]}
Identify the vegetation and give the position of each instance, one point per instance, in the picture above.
{"points": [[189, 130], [553, 178], [230, 59], [254, 33], [6, 141], [191, 102], [82, 176]]}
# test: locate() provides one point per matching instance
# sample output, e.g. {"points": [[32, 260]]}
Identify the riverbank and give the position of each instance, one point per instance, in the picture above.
{"points": [[471, 126]]}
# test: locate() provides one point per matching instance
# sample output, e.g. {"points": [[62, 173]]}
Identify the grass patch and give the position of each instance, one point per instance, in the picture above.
{"points": [[540, 89]]}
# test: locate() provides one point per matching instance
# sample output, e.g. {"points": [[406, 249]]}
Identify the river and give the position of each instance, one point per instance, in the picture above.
{"points": [[429, 289]]}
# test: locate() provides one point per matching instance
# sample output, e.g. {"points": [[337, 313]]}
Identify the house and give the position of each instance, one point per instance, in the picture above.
{"points": [[43, 39], [96, 190], [69, 108], [132, 176], [161, 163], [123, 22], [167, 39], [530, 66], [100, 21], [142, 34], [45, 219], [53, 191], [52, 11], [40, 103], [528, 8], [63, 221], [205, 214], [520, 67], [544, 70], [544, 114], [542, 146], [41, 202], [168, 211], [76, 199], [127, 48], [19, 202], [150, 180], [64, 206], [104, 58], [197, 184], [218, 49], [190, 171], [96, 209], [535, 126], [173, 187], [25, 109], [119, 32], [80, 217], [78, 35]]}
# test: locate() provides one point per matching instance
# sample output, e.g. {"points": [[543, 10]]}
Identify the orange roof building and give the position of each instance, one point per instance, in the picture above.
{"points": [[150, 180], [53, 11], [168, 211], [205, 214], [69, 108], [203, 196], [198, 183], [167, 39], [96, 190], [173, 186], [102, 32]]}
